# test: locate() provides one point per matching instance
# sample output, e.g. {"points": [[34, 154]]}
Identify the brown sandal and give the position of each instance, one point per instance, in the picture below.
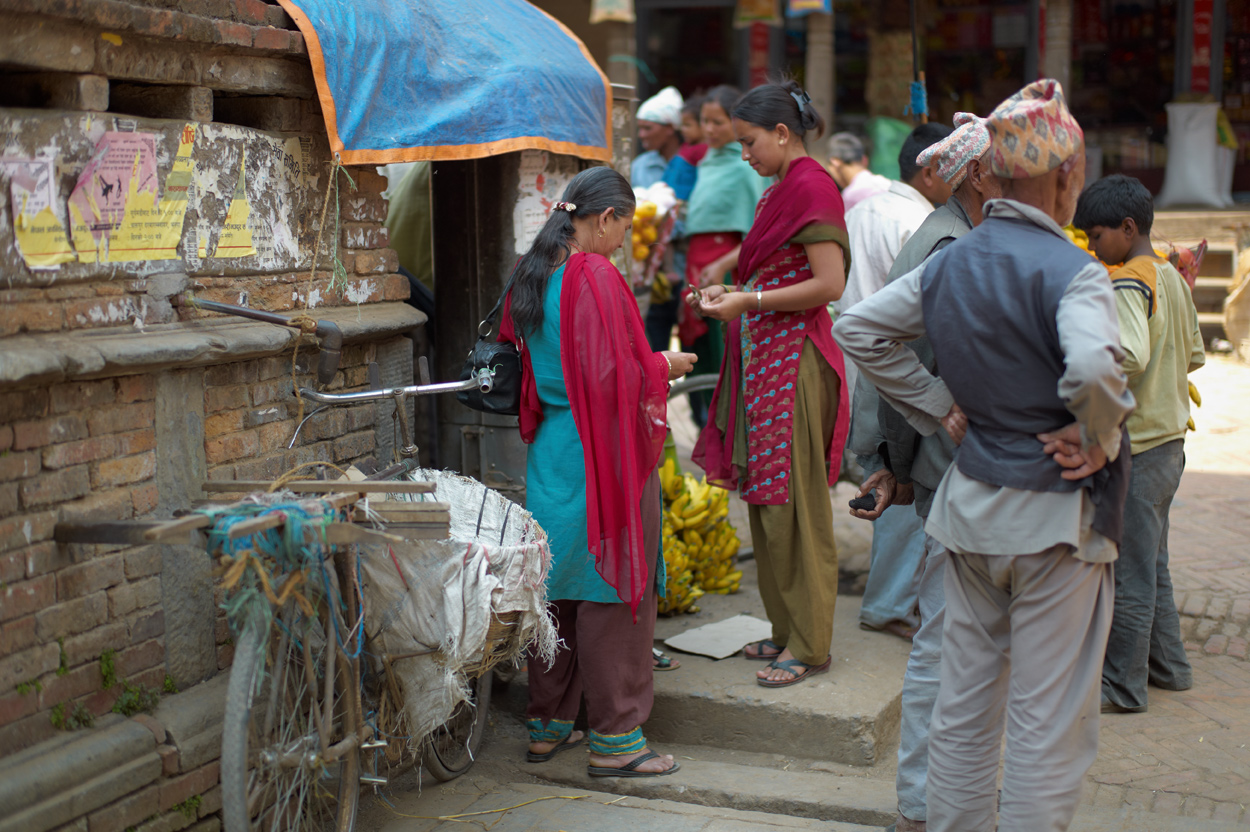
{"points": [[789, 666]]}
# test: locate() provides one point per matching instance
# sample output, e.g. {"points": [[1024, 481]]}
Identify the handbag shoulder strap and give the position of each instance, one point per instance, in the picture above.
{"points": [[487, 326]]}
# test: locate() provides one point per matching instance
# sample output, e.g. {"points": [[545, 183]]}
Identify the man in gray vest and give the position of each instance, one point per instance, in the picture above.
{"points": [[1023, 326], [918, 462]]}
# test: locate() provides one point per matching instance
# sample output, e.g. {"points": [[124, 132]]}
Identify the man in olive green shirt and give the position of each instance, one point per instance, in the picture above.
{"points": [[1162, 345]]}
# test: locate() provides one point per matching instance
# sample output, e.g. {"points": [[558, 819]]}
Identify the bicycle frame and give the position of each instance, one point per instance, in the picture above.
{"points": [[483, 380]]}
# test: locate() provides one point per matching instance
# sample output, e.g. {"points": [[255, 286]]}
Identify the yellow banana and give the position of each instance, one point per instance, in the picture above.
{"points": [[1195, 395]]}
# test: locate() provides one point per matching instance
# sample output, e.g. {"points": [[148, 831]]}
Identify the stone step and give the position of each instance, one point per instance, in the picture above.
{"points": [[848, 715], [816, 795], [534, 807]]}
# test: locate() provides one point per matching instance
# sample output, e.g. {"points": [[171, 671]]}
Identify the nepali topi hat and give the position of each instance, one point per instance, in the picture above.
{"points": [[1033, 132], [952, 154]]}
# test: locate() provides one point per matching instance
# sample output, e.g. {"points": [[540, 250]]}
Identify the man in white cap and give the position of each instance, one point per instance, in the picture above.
{"points": [[1024, 328], [917, 463], [659, 133]]}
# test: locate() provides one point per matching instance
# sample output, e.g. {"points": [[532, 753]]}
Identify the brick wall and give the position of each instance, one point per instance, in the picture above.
{"points": [[83, 450], [79, 434]]}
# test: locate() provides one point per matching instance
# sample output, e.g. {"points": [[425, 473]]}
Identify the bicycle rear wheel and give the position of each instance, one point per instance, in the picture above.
{"points": [[289, 753], [449, 751]]}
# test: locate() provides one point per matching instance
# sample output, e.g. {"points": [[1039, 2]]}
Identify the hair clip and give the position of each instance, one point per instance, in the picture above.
{"points": [[566, 206], [801, 98]]}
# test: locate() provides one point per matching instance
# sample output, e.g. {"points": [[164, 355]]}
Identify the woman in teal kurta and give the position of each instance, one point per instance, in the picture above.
{"points": [[593, 409], [555, 473]]}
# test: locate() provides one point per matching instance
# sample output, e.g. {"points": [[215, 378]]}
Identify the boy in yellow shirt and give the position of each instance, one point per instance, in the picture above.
{"points": [[1162, 345]]}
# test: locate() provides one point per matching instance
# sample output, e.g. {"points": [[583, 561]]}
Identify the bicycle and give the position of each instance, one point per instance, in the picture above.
{"points": [[300, 706]]}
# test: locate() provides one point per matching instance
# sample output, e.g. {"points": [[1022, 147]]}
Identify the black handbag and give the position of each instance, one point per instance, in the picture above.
{"points": [[503, 359]]}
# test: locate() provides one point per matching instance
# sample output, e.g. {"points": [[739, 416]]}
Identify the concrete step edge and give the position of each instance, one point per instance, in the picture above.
{"points": [[733, 818], [807, 794]]}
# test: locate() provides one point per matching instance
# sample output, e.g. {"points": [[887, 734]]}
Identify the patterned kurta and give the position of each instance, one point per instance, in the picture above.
{"points": [[772, 343]]}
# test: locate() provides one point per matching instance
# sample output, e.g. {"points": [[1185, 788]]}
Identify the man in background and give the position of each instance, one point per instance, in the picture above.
{"points": [[848, 164]]}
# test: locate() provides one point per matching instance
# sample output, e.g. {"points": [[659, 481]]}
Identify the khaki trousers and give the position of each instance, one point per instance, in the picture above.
{"points": [[794, 548], [1051, 613]]}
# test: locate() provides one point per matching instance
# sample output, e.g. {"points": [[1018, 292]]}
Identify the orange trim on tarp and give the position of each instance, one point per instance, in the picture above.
{"points": [[438, 153]]}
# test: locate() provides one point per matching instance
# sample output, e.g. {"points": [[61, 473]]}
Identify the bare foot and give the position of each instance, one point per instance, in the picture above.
{"points": [[544, 747], [661, 763]]}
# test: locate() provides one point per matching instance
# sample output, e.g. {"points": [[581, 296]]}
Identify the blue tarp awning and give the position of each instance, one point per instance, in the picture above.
{"points": [[411, 80]]}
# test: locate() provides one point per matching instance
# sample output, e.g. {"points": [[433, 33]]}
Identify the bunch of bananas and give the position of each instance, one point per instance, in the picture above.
{"points": [[661, 289], [700, 546], [646, 231], [1196, 398]]}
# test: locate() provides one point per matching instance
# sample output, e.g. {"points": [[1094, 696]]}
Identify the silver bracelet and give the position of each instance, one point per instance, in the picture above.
{"points": [[759, 300]]}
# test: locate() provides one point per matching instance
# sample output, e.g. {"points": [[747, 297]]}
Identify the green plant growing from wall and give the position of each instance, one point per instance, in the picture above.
{"points": [[190, 807], [108, 668], [24, 688], [78, 717]]}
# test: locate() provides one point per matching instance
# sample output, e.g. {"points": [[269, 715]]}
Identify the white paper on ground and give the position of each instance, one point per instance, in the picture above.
{"points": [[723, 638]]}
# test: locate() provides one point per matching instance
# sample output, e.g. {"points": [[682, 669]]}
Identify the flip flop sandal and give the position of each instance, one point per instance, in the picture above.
{"points": [[630, 769], [662, 661], [789, 666], [565, 745], [763, 657]]}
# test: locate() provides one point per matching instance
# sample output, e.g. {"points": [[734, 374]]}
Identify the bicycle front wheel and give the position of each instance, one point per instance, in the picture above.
{"points": [[290, 737]]}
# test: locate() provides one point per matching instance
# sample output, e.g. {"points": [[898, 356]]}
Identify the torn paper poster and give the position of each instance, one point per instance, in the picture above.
{"points": [[40, 233], [235, 239], [540, 187], [118, 214]]}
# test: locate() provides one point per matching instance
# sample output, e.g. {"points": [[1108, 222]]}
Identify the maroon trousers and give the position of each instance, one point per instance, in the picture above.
{"points": [[606, 654]]}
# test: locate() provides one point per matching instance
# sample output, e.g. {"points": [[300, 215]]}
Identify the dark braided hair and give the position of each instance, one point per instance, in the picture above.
{"points": [[779, 103]]}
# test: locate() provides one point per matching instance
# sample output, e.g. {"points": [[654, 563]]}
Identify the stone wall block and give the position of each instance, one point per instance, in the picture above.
{"points": [[46, 556], [225, 398], [89, 646], [71, 617], [17, 635], [128, 597], [135, 441], [270, 38], [78, 453], [249, 11], [26, 597], [178, 789], [81, 395], [27, 435], [232, 446], [142, 561], [362, 235], [92, 576], [19, 466], [363, 207], [57, 487], [23, 405], [128, 811], [229, 421], [100, 505], [146, 624], [136, 389], [121, 418], [16, 532], [27, 665], [369, 182], [395, 287], [190, 103]]}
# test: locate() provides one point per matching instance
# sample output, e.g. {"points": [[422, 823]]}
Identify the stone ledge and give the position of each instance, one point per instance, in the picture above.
{"points": [[65, 778], [101, 353]]}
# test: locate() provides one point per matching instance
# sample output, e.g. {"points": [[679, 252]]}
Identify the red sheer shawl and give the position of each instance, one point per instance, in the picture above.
{"points": [[618, 391], [807, 196]]}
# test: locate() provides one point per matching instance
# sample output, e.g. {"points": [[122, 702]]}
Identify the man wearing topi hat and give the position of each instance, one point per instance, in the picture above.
{"points": [[1023, 326], [918, 462]]}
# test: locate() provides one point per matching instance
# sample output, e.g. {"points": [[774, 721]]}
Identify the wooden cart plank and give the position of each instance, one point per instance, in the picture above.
{"points": [[324, 486]]}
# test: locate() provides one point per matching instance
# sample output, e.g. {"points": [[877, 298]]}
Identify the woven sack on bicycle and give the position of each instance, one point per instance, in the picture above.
{"points": [[464, 604]]}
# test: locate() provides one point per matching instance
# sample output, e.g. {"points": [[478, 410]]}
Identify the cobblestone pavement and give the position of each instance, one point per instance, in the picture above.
{"points": [[1189, 755]]}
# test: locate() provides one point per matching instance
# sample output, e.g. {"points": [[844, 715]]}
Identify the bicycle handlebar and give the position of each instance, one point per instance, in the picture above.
{"points": [[483, 380]]}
